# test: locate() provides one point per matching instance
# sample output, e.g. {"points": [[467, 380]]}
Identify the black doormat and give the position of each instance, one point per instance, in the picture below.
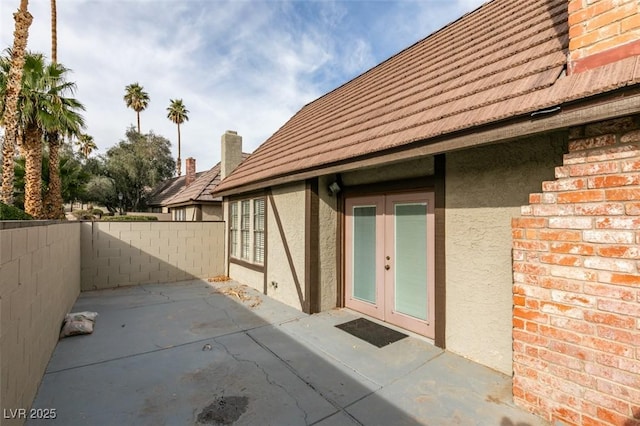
{"points": [[369, 331]]}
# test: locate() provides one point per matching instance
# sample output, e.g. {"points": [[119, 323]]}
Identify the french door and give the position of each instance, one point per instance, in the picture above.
{"points": [[389, 265]]}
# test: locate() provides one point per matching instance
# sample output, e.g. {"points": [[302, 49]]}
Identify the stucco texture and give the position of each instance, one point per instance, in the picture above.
{"points": [[290, 203], [485, 188], [408, 169], [328, 222]]}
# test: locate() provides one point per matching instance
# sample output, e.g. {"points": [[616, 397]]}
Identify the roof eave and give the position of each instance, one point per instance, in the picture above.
{"points": [[597, 108]]}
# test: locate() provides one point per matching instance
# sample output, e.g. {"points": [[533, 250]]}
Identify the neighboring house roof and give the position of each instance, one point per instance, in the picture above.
{"points": [[167, 189], [200, 189], [506, 59]]}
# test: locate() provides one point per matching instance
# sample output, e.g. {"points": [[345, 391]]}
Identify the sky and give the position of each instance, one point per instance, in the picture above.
{"points": [[243, 65]]}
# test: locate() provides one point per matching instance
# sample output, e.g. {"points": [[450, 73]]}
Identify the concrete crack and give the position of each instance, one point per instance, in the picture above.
{"points": [[267, 378]]}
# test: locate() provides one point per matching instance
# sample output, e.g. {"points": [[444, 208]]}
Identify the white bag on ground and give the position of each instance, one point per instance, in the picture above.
{"points": [[78, 323]]}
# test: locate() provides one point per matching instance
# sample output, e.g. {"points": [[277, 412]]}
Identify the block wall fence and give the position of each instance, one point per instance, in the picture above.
{"points": [[44, 266], [576, 294], [39, 283]]}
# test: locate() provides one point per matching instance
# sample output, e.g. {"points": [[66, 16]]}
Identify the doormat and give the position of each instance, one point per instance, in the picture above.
{"points": [[371, 332]]}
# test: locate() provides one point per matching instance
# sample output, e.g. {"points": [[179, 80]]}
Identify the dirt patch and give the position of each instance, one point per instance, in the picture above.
{"points": [[242, 295], [224, 410]]}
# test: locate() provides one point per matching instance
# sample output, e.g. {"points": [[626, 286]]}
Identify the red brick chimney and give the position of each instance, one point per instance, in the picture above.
{"points": [[191, 171], [602, 32]]}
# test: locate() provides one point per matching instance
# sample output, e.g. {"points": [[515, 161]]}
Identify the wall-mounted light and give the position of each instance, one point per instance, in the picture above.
{"points": [[334, 188]]}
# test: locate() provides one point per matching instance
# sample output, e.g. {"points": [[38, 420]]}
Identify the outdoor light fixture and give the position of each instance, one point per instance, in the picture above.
{"points": [[334, 188]]}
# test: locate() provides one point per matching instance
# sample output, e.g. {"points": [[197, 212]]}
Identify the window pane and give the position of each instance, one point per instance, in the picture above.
{"points": [[411, 259], [258, 231], [244, 226], [233, 232], [364, 253]]}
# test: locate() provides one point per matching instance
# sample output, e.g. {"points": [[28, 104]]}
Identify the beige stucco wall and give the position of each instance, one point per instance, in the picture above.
{"points": [[484, 190], [129, 253], [328, 267], [290, 202], [39, 283], [212, 212], [247, 276], [405, 170]]}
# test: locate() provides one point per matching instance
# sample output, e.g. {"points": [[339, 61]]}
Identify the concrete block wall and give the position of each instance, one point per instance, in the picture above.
{"points": [[129, 253], [39, 283], [576, 294]]}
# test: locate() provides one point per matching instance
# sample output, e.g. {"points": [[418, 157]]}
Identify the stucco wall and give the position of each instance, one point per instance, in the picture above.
{"points": [[39, 283], [129, 253], [290, 202], [328, 267], [484, 190], [212, 212], [405, 170]]}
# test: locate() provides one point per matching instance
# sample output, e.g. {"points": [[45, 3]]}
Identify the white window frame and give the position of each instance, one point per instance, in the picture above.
{"points": [[247, 230]]}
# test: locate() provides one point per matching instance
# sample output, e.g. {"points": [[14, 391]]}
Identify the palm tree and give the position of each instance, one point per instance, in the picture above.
{"points": [[44, 110], [53, 196], [54, 32], [10, 112], [178, 114], [137, 99], [86, 145]]}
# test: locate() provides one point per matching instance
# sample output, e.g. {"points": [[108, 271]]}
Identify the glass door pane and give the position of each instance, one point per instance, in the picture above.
{"points": [[411, 259], [364, 253]]}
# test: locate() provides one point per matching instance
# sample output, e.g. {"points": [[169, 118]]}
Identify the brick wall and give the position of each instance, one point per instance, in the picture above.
{"points": [[576, 260], [603, 31]]}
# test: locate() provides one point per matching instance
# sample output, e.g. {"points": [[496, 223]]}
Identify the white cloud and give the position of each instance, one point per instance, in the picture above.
{"points": [[238, 65]]}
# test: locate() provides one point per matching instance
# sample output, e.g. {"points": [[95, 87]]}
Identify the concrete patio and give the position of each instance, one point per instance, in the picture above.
{"points": [[220, 353]]}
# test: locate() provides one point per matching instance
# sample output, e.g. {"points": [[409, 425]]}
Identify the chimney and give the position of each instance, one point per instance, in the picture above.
{"points": [[231, 152], [602, 32], [191, 171]]}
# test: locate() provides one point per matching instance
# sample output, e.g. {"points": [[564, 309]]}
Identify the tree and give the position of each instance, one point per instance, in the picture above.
{"points": [[54, 32], [43, 109], [177, 113], [86, 145], [137, 99], [137, 164], [10, 96]]}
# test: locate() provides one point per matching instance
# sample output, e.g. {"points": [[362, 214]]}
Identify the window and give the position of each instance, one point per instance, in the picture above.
{"points": [[247, 230], [258, 230], [245, 233], [180, 214], [233, 228]]}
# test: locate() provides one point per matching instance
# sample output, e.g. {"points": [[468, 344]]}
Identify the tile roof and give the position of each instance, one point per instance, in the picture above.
{"points": [[166, 189], [200, 189], [504, 60]]}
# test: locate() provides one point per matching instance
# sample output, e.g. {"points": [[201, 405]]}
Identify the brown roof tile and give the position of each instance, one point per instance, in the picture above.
{"points": [[503, 60], [200, 189]]}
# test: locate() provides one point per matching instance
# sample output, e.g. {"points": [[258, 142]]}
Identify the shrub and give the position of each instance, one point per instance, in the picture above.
{"points": [[129, 218], [8, 212], [97, 212]]}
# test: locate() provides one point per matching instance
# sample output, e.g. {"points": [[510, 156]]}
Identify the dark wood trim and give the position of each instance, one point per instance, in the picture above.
{"points": [[258, 193], [265, 278], [228, 227], [312, 247], [340, 250], [287, 251], [440, 254], [241, 262]]}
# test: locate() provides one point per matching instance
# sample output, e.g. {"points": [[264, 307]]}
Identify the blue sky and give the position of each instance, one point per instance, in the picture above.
{"points": [[244, 65]]}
